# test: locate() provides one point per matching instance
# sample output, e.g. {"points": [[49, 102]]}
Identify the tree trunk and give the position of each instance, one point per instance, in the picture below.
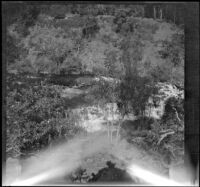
{"points": [[57, 68], [107, 123], [175, 15], [154, 12], [149, 111], [49, 141], [111, 132], [161, 13], [112, 126], [108, 130], [118, 130]]}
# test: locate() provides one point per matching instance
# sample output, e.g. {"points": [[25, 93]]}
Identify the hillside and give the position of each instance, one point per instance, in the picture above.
{"points": [[161, 46]]}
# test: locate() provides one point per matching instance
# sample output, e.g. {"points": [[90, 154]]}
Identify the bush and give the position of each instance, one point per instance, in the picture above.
{"points": [[135, 92], [91, 27], [173, 106], [166, 136], [27, 19], [12, 50], [62, 80], [34, 117], [131, 129], [47, 48]]}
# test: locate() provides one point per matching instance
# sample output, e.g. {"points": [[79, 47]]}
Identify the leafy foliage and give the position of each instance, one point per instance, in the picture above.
{"points": [[12, 50], [34, 116], [164, 136], [125, 33], [90, 28], [105, 92], [174, 49], [111, 45], [27, 19], [173, 106], [47, 48], [111, 64], [135, 92]]}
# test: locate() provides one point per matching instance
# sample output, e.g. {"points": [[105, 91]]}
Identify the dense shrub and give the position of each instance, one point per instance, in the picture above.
{"points": [[174, 49], [173, 107], [91, 27], [47, 48], [12, 50], [165, 136], [105, 92], [27, 19], [142, 123], [34, 117], [135, 92], [111, 174], [114, 68], [63, 80]]}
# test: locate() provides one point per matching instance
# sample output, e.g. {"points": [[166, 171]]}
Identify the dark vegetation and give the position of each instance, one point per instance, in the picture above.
{"points": [[111, 174], [108, 174], [36, 115], [170, 12], [68, 52]]}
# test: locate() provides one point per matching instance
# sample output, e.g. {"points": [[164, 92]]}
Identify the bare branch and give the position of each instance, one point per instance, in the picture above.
{"points": [[163, 136], [165, 131], [177, 114]]}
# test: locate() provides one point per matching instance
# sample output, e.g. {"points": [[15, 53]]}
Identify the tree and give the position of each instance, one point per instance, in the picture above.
{"points": [[27, 19], [134, 90], [172, 52], [131, 47], [52, 44], [169, 12], [111, 64], [174, 49], [34, 116], [12, 50], [106, 94], [134, 94], [90, 28], [57, 10]]}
